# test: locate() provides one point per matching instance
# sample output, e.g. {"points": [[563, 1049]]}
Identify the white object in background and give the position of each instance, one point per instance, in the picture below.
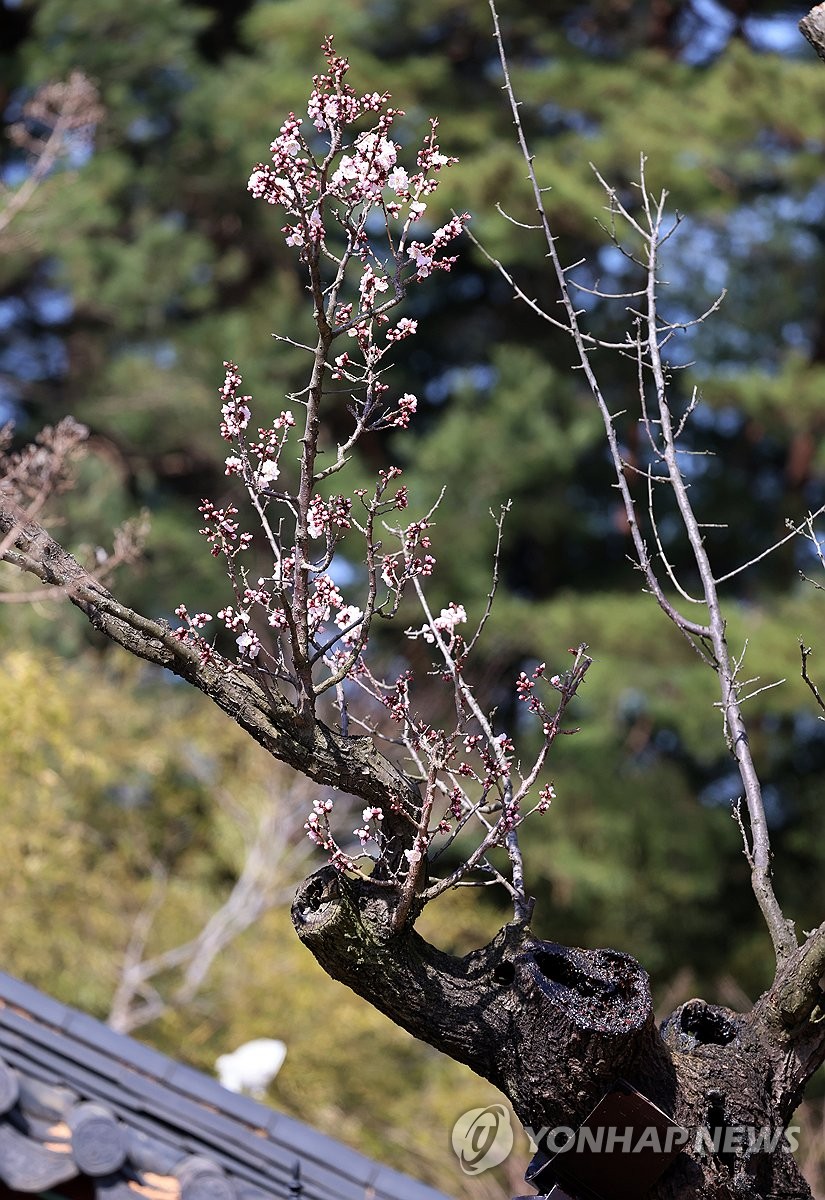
{"points": [[252, 1067]]}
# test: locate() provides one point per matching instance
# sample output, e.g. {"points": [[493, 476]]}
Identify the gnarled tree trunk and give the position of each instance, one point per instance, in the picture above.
{"points": [[555, 1028]]}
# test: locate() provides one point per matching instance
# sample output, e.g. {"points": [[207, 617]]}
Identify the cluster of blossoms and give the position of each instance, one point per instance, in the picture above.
{"points": [[328, 196], [396, 697], [369, 831], [317, 824], [235, 411], [222, 531], [329, 615], [359, 177], [366, 174], [471, 774], [426, 257], [318, 829], [349, 619], [546, 796], [325, 517], [526, 691], [475, 770], [413, 559], [338, 185], [190, 632], [496, 759], [257, 462], [406, 408], [445, 624]]}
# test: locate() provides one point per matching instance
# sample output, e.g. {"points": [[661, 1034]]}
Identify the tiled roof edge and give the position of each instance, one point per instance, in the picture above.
{"points": [[98, 1039]]}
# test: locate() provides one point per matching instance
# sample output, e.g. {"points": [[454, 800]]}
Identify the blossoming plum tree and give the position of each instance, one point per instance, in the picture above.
{"points": [[288, 658], [352, 211]]}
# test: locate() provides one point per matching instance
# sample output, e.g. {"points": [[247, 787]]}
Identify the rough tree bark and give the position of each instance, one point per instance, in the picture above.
{"points": [[813, 27], [555, 1027]]}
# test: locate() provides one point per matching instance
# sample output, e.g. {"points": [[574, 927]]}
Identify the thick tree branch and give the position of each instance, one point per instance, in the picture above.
{"points": [[813, 28], [351, 764], [553, 1027], [797, 997], [792, 1018]]}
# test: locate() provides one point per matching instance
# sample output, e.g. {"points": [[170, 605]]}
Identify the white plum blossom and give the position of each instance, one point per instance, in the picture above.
{"points": [[258, 181], [232, 619], [235, 410], [347, 170], [317, 517], [316, 225], [373, 148], [267, 473], [325, 111], [446, 233], [288, 142], [398, 180], [364, 173], [248, 644], [546, 796], [364, 834], [406, 407], [403, 329], [317, 823], [422, 256], [350, 615], [272, 188], [370, 283], [445, 622], [324, 598]]}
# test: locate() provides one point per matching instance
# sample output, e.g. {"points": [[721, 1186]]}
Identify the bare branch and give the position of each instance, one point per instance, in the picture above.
{"points": [[794, 531], [323, 755], [275, 861], [582, 342], [63, 110], [651, 230], [805, 652], [491, 595]]}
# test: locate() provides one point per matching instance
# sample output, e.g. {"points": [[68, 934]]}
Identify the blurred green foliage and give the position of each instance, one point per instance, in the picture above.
{"points": [[109, 774], [138, 268]]}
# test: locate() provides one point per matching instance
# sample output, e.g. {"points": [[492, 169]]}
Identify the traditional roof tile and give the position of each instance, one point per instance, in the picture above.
{"points": [[80, 1102]]}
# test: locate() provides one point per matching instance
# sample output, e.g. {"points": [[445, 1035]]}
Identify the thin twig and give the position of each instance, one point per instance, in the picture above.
{"points": [[805, 652]]}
